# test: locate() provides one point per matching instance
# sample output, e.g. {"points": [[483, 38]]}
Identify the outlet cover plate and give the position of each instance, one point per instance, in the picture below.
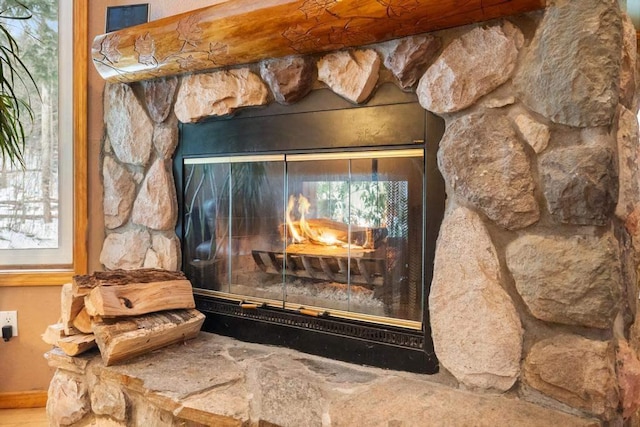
{"points": [[10, 318]]}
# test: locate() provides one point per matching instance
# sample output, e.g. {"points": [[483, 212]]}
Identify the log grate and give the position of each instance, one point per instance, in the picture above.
{"points": [[368, 271]]}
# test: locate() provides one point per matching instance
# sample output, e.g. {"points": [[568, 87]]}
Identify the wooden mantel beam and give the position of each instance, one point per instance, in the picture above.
{"points": [[245, 31]]}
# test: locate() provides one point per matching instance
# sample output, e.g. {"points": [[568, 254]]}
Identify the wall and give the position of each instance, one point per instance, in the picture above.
{"points": [[23, 366]]}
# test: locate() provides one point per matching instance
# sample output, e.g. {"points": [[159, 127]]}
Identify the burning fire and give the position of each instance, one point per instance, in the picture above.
{"points": [[302, 231]]}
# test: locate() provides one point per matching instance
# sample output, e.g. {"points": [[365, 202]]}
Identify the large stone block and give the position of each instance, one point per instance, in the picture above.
{"points": [[628, 155], [484, 163], [580, 182], [290, 79], [470, 67], [125, 250], [288, 400], [156, 204], [351, 74], [410, 403], [68, 399], [572, 280], [218, 93], [119, 193], [409, 57], [475, 327], [165, 137], [158, 95], [628, 371], [628, 69], [576, 371], [109, 400], [571, 71], [164, 253], [128, 126]]}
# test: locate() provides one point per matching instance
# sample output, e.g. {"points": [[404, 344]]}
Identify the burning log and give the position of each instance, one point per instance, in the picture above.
{"points": [[327, 232]]}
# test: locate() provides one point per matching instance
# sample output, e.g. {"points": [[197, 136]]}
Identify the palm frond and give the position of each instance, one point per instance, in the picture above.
{"points": [[13, 72]]}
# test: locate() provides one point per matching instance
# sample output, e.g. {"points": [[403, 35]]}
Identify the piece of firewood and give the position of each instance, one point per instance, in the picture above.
{"points": [[83, 321], [124, 338], [77, 344], [82, 284], [139, 298], [53, 333], [70, 306], [141, 275]]}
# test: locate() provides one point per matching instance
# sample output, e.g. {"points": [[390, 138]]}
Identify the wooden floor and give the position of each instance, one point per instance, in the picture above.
{"points": [[36, 417]]}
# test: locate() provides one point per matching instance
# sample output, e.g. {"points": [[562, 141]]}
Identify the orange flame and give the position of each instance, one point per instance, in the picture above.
{"points": [[301, 231], [292, 229]]}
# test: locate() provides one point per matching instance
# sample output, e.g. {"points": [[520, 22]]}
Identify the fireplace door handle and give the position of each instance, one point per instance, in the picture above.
{"points": [[251, 305], [313, 313]]}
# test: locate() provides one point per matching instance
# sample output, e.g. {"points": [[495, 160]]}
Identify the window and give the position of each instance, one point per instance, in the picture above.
{"points": [[43, 209]]}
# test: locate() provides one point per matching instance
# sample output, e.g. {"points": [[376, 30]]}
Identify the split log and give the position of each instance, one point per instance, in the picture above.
{"points": [[53, 334], [70, 306], [82, 322], [125, 338], [139, 298], [77, 344], [83, 284]]}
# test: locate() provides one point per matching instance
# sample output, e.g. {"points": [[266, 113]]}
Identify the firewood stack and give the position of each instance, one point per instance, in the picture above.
{"points": [[124, 313]]}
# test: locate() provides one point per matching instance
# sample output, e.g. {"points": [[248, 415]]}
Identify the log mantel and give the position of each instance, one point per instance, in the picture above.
{"points": [[244, 31]]}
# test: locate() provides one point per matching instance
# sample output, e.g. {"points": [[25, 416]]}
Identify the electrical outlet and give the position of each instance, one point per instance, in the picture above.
{"points": [[10, 318]]}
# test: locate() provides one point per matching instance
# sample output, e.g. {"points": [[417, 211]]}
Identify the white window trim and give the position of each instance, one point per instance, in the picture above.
{"points": [[61, 256]]}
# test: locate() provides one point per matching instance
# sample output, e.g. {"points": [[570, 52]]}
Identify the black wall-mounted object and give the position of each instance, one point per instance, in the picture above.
{"points": [[119, 17], [7, 332], [325, 122]]}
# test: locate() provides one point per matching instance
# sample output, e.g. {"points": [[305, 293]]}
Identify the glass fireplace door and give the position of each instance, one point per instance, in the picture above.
{"points": [[333, 234], [233, 209], [358, 224]]}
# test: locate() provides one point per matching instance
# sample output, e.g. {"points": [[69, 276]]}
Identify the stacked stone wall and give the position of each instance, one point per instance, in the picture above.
{"points": [[535, 283]]}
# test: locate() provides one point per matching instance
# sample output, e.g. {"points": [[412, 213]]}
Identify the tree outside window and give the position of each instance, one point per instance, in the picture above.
{"points": [[36, 198]]}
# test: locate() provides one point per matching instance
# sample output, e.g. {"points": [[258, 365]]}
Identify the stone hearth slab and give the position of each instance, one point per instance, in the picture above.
{"points": [[215, 380]]}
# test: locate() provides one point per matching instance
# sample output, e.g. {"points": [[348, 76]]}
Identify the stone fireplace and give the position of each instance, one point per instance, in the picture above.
{"points": [[312, 218], [534, 289]]}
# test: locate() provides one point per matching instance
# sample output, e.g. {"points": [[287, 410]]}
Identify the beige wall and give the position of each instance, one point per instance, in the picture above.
{"points": [[22, 365]]}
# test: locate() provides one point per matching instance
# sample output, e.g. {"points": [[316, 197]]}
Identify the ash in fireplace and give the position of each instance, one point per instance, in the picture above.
{"points": [[333, 291], [330, 295]]}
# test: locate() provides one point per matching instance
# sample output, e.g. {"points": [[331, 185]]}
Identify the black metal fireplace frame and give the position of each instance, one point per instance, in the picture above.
{"points": [[324, 121]]}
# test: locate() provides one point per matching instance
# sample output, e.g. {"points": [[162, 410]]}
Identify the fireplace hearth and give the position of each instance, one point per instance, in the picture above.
{"points": [[304, 225]]}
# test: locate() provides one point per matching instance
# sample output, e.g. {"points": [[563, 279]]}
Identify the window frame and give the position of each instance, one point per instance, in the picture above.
{"points": [[34, 276]]}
